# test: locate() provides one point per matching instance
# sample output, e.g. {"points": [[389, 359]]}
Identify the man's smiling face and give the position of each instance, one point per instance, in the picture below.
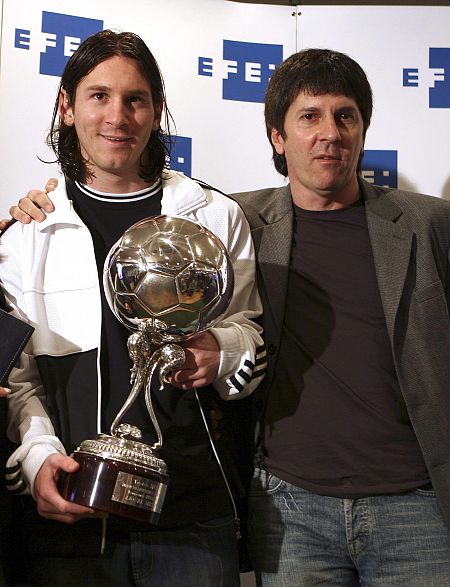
{"points": [[114, 115]]}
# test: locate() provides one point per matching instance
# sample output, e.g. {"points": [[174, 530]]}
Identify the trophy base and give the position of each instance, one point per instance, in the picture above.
{"points": [[110, 485]]}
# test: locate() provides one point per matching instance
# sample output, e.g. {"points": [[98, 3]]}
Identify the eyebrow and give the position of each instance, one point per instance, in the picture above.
{"points": [[103, 88], [307, 110], [312, 109], [355, 109]]}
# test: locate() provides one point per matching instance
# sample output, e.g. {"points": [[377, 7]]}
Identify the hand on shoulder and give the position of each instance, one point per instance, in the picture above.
{"points": [[34, 206]]}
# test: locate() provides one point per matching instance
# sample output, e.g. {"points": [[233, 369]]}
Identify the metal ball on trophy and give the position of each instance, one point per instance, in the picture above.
{"points": [[166, 278]]}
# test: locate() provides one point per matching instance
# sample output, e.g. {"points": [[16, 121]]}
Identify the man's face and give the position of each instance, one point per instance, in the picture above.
{"points": [[323, 142], [113, 115]]}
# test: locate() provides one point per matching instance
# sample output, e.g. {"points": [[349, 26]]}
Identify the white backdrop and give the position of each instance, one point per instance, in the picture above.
{"points": [[208, 49]]}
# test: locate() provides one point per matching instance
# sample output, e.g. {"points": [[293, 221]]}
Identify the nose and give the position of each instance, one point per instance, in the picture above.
{"points": [[329, 130], [116, 113]]}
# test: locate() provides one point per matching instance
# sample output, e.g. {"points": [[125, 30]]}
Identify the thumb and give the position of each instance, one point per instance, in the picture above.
{"points": [[69, 465]]}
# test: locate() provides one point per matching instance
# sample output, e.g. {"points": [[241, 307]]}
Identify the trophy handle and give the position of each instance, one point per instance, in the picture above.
{"points": [[139, 349], [138, 379], [168, 357]]}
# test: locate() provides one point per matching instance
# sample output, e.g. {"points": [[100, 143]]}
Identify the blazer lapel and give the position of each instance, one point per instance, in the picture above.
{"points": [[391, 243], [273, 241]]}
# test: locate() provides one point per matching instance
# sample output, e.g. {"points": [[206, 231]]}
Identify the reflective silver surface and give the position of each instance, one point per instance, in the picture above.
{"points": [[166, 278], [123, 450], [169, 272]]}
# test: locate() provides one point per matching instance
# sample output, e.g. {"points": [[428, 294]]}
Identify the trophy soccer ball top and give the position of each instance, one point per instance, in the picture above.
{"points": [[172, 273]]}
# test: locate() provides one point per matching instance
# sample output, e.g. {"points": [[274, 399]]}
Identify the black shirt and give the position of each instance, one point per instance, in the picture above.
{"points": [[336, 421]]}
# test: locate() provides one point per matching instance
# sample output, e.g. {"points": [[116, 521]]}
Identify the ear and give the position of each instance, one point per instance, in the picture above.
{"points": [[158, 114], [277, 141], [361, 154], [65, 108]]}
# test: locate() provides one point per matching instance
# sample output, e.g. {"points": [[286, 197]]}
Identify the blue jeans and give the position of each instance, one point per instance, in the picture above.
{"points": [[201, 555], [298, 538]]}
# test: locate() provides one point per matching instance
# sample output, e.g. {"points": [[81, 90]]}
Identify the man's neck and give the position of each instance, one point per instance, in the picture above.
{"points": [[115, 184], [326, 200]]}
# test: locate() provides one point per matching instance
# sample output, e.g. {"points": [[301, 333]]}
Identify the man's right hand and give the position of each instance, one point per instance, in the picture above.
{"points": [[35, 204], [50, 504]]}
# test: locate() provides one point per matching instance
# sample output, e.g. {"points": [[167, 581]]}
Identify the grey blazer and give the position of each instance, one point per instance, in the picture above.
{"points": [[410, 236]]}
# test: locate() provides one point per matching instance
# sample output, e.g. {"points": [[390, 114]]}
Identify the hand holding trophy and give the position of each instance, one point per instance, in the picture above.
{"points": [[166, 278]]}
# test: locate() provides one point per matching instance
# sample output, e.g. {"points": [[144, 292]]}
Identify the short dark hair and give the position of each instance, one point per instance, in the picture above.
{"points": [[315, 72], [94, 50]]}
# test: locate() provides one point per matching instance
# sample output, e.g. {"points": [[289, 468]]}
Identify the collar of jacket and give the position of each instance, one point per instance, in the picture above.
{"points": [[180, 195], [270, 213], [378, 201]]}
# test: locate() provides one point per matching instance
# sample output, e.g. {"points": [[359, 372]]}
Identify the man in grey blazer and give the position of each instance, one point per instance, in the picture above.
{"points": [[352, 484]]}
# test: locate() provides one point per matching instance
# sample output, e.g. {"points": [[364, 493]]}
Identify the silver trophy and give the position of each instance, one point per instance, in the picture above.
{"points": [[166, 278]]}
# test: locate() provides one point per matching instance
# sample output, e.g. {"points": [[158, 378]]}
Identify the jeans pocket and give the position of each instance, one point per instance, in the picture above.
{"points": [[425, 492], [264, 483]]}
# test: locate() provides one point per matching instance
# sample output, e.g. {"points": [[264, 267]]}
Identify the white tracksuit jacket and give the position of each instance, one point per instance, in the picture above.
{"points": [[49, 274]]}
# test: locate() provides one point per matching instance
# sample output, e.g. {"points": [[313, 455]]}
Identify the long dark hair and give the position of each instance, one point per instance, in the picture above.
{"points": [[63, 139]]}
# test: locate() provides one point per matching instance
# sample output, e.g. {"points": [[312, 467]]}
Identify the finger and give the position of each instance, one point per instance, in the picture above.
{"points": [[68, 518], [36, 198], [185, 386], [180, 376], [76, 509], [4, 391], [51, 184], [197, 381], [63, 507], [27, 210], [17, 214], [70, 513], [173, 378], [51, 505], [4, 224], [68, 464]]}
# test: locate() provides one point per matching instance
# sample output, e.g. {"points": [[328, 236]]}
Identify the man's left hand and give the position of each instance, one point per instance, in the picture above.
{"points": [[202, 362]]}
